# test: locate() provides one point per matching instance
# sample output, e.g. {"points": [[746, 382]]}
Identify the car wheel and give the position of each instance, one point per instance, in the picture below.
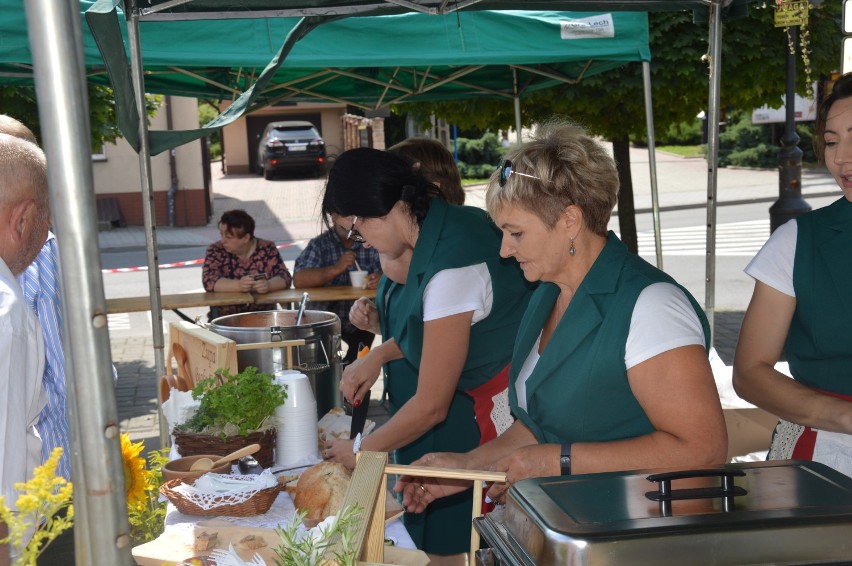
{"points": [[268, 174]]}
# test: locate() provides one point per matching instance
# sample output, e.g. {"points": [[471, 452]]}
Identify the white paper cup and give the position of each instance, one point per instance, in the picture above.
{"points": [[358, 278]]}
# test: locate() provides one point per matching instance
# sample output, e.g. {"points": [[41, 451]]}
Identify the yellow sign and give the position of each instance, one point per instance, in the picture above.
{"points": [[791, 13]]}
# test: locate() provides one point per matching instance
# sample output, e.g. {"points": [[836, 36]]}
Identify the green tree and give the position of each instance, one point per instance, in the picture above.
{"points": [[20, 103], [611, 104]]}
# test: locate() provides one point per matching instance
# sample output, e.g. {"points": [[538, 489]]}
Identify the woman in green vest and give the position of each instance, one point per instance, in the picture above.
{"points": [[610, 369], [448, 308], [802, 306]]}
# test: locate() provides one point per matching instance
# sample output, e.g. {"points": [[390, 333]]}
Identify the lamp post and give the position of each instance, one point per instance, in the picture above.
{"points": [[790, 203]]}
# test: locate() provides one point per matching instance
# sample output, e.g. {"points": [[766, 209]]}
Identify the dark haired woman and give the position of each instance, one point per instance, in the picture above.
{"points": [[241, 263], [448, 309], [801, 307]]}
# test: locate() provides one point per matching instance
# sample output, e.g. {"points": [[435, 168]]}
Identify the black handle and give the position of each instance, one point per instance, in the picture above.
{"points": [[726, 488]]}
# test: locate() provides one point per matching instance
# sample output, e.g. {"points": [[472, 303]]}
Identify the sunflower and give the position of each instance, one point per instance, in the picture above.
{"points": [[136, 477]]}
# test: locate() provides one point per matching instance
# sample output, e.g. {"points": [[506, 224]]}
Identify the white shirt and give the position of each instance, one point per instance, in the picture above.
{"points": [[663, 319], [773, 264], [21, 394], [458, 290]]}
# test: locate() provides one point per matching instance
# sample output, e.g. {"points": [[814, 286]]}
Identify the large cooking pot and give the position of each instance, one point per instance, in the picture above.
{"points": [[319, 358]]}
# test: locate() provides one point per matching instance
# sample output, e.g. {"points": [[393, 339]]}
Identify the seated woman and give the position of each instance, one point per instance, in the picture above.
{"points": [[610, 369], [801, 308], [241, 263], [448, 309]]}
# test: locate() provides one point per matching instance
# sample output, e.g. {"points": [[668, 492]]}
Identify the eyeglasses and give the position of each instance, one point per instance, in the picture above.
{"points": [[506, 171], [354, 234]]}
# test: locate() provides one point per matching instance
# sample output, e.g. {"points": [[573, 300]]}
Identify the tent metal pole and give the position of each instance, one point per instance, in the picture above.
{"points": [[148, 208], [517, 99], [715, 47], [102, 529], [652, 159]]}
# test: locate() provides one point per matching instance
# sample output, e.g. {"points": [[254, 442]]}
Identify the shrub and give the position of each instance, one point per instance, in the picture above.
{"points": [[479, 157], [744, 144]]}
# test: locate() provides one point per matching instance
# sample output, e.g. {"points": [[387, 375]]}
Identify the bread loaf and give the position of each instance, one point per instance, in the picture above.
{"points": [[321, 489]]}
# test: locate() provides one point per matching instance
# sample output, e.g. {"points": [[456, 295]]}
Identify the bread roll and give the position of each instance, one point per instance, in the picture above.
{"points": [[321, 489]]}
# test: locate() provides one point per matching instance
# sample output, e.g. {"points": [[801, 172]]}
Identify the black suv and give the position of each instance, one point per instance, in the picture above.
{"points": [[290, 145]]}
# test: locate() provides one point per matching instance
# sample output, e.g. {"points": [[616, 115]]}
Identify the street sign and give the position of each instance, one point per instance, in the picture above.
{"points": [[790, 13], [846, 51], [847, 17], [846, 67]]}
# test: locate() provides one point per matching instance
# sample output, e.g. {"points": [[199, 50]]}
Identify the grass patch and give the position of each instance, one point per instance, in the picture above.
{"points": [[683, 150]]}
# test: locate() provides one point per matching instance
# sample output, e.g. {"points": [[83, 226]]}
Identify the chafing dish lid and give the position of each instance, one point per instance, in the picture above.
{"points": [[627, 503]]}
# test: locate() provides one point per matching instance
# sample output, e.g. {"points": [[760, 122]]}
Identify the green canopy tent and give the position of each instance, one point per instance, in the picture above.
{"points": [[432, 57], [56, 37]]}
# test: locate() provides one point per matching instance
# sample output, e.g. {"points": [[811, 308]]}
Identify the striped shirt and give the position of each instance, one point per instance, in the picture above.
{"points": [[40, 284]]}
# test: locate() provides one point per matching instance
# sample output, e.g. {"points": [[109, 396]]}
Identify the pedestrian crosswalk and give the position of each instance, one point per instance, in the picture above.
{"points": [[121, 321], [732, 239]]}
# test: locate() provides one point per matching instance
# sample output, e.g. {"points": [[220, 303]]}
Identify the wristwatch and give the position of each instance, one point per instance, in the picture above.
{"points": [[565, 459]]}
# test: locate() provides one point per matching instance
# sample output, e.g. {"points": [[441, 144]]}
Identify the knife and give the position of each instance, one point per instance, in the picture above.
{"points": [[359, 413], [359, 416]]}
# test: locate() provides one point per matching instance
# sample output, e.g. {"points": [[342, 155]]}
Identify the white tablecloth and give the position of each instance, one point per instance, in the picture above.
{"points": [[281, 513]]}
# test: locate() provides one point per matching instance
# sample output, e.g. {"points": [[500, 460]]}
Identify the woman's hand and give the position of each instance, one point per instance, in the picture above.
{"points": [[364, 315], [373, 279], [418, 493], [359, 377], [534, 461], [246, 283], [261, 286], [340, 451]]}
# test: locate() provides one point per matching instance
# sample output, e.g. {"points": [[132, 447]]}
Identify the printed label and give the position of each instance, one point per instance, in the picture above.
{"points": [[601, 25]]}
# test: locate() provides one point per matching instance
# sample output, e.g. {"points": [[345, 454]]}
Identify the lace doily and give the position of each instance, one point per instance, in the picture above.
{"points": [[215, 490]]}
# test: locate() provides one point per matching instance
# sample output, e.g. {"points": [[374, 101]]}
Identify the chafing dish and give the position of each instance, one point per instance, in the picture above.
{"points": [[780, 512]]}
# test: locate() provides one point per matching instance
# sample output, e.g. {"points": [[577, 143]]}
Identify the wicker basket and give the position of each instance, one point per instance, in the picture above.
{"points": [[192, 444], [258, 504]]}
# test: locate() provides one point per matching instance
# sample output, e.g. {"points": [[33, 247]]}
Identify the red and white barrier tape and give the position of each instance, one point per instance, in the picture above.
{"points": [[180, 263]]}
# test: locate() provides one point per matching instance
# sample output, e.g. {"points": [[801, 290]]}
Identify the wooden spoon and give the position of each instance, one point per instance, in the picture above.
{"points": [[204, 464], [166, 384], [184, 378]]}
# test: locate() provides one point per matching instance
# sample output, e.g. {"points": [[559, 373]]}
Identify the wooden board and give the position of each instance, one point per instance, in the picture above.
{"points": [[206, 351], [178, 301], [175, 546]]}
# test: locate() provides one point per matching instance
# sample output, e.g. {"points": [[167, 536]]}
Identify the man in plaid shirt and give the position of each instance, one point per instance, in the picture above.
{"points": [[326, 262]]}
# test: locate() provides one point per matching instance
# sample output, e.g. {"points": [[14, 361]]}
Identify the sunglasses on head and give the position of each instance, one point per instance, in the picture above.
{"points": [[506, 171], [354, 234]]}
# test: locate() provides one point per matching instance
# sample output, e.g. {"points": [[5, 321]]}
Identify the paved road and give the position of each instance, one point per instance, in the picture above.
{"points": [[286, 211]]}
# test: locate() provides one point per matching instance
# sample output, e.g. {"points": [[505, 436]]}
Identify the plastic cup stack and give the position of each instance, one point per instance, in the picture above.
{"points": [[296, 421]]}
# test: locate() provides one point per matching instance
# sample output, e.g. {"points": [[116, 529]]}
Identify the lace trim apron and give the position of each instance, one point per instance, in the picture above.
{"points": [[791, 441]]}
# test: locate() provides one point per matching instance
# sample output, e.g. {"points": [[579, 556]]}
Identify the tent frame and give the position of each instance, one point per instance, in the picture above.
{"points": [[56, 41]]}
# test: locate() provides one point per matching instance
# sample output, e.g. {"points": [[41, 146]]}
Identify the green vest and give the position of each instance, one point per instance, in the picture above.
{"points": [[578, 390], [451, 237], [819, 343]]}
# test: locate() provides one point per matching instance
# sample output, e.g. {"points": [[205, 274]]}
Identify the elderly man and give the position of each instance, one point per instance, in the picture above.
{"points": [[24, 221]]}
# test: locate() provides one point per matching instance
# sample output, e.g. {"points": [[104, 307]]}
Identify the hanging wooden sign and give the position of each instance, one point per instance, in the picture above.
{"points": [[791, 13]]}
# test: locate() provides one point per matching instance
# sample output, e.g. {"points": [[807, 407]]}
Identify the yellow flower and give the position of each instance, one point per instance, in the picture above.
{"points": [[35, 524], [136, 476]]}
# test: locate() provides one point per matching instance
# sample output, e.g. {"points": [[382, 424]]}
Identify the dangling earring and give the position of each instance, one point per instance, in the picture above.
{"points": [[572, 250]]}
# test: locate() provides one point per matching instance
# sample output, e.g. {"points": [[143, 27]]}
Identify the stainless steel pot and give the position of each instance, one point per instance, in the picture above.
{"points": [[319, 358]]}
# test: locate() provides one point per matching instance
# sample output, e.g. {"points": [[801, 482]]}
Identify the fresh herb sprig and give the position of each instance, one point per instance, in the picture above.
{"points": [[242, 401], [309, 549]]}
